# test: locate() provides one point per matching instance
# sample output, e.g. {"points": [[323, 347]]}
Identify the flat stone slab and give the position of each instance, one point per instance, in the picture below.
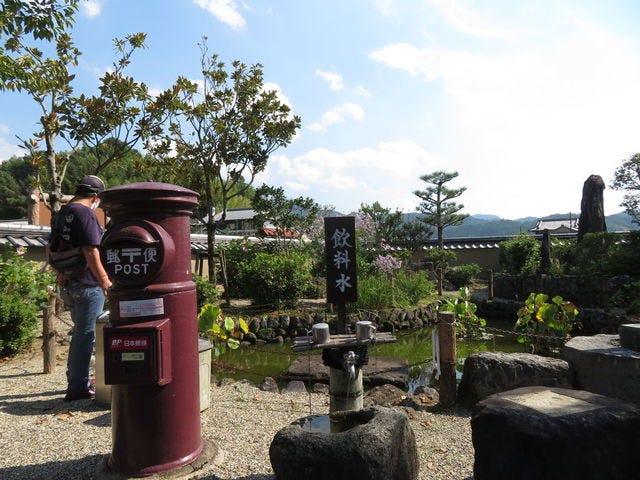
{"points": [[601, 365], [534, 433], [379, 371], [486, 373]]}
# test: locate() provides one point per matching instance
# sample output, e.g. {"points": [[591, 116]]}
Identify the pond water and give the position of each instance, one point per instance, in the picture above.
{"points": [[255, 363]]}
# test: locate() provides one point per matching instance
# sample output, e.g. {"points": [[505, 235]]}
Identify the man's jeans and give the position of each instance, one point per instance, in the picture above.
{"points": [[85, 303]]}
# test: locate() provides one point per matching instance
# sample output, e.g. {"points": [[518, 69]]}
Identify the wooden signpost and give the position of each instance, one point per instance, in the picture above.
{"points": [[340, 255]]}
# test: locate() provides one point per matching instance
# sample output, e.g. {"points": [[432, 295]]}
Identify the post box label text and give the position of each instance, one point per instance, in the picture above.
{"points": [[141, 308], [132, 261], [122, 342], [133, 356]]}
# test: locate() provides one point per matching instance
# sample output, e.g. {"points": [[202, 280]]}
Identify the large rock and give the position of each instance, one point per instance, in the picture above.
{"points": [[535, 433], [602, 365], [486, 373], [592, 207], [381, 446]]}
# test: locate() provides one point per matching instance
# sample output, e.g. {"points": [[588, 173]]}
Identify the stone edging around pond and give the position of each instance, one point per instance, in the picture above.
{"points": [[280, 327]]}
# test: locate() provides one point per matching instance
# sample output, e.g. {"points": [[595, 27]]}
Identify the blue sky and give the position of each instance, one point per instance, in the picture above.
{"points": [[524, 99]]}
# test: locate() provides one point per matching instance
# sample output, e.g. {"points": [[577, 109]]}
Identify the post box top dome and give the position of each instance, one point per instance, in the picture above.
{"points": [[150, 187], [148, 195]]}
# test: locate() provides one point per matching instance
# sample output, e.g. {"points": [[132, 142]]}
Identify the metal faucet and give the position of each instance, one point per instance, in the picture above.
{"points": [[349, 363]]}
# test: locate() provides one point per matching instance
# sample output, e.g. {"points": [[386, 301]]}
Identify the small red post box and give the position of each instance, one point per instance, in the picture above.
{"points": [[151, 343]]}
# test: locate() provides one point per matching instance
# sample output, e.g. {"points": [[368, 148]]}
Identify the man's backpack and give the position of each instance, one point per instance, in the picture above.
{"points": [[61, 255]]}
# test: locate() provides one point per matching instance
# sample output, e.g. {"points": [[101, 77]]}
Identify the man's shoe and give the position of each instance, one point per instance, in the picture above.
{"points": [[89, 392]]}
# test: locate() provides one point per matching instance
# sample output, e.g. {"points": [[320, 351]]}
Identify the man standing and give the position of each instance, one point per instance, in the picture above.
{"points": [[83, 292]]}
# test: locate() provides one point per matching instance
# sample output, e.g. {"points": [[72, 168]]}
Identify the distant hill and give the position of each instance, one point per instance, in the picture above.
{"points": [[494, 226]]}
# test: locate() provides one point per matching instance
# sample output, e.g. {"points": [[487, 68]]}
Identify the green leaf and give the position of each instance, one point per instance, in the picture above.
{"points": [[229, 324], [243, 325], [208, 316], [232, 343]]}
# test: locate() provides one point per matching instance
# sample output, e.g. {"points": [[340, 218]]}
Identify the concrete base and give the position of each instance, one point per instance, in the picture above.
{"points": [[211, 455]]}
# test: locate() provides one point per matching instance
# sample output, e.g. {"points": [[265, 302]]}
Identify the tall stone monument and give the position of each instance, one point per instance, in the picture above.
{"points": [[592, 207]]}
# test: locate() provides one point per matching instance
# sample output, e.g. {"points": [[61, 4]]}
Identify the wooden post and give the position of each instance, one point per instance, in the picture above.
{"points": [[49, 335], [447, 343], [341, 325], [491, 286]]}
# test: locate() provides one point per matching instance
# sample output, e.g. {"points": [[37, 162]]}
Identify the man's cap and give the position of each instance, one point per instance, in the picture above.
{"points": [[90, 184]]}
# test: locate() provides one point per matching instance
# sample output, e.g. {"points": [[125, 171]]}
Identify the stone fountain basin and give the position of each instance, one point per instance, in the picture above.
{"points": [[376, 443]]}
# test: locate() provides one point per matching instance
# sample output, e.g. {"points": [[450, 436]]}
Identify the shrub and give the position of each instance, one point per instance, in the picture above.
{"points": [[468, 324], [412, 287], [546, 326], [404, 289], [275, 278], [224, 332], [206, 292], [23, 277], [440, 258], [520, 255], [374, 292], [463, 275], [18, 323], [628, 297]]}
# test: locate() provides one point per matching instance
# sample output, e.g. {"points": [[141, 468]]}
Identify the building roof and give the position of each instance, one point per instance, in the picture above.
{"points": [[556, 225]]}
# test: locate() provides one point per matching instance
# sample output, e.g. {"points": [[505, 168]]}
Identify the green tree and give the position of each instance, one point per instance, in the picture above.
{"points": [[437, 205], [627, 177], [386, 224], [16, 178], [119, 111], [220, 135], [413, 236], [287, 215], [520, 255]]}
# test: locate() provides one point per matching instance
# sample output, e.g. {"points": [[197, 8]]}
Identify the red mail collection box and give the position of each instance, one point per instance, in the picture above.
{"points": [[138, 353]]}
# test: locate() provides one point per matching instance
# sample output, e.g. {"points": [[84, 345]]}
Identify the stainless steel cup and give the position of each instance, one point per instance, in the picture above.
{"points": [[320, 332], [365, 330]]}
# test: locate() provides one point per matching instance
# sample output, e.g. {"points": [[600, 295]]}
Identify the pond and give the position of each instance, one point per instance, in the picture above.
{"points": [[255, 363]]}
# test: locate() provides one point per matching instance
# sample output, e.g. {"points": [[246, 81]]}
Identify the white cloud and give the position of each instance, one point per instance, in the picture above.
{"points": [[469, 21], [337, 115], [534, 123], [155, 91], [386, 8], [224, 10], [91, 8], [4, 128], [361, 91], [387, 173], [333, 79], [270, 86], [7, 149]]}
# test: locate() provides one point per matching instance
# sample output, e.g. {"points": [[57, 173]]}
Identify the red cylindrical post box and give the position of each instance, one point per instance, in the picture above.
{"points": [[151, 343]]}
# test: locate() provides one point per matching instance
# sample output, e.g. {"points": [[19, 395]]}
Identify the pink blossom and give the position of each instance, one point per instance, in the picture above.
{"points": [[387, 263]]}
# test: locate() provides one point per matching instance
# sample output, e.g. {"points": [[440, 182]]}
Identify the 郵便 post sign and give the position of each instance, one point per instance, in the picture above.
{"points": [[340, 255], [133, 253]]}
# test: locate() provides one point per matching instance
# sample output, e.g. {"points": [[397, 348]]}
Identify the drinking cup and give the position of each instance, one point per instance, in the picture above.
{"points": [[365, 330], [320, 332]]}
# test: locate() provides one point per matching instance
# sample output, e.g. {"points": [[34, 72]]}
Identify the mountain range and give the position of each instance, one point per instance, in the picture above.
{"points": [[482, 225]]}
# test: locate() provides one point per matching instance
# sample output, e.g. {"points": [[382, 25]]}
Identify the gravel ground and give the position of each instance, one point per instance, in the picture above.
{"points": [[43, 437]]}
